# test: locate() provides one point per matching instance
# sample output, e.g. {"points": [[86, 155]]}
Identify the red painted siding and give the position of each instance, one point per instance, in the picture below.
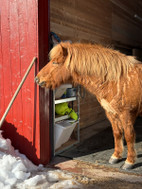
{"points": [[19, 43]]}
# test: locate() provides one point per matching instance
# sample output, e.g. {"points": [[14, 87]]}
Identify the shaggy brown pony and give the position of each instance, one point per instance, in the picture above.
{"points": [[114, 78]]}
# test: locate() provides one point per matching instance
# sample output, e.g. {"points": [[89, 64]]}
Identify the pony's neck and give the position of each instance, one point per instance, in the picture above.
{"points": [[92, 84]]}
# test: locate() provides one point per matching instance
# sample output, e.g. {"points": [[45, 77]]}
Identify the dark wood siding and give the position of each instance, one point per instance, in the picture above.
{"points": [[81, 20], [109, 22], [126, 29]]}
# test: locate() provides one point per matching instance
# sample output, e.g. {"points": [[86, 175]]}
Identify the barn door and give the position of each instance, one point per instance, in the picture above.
{"points": [[24, 28]]}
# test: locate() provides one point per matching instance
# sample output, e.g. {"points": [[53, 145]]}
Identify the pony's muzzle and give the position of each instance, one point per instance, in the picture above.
{"points": [[41, 84], [37, 80]]}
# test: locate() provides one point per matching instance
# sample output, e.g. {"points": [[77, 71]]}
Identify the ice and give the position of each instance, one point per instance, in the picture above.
{"points": [[67, 184], [56, 175], [27, 162], [11, 181], [17, 171], [34, 180], [52, 176]]}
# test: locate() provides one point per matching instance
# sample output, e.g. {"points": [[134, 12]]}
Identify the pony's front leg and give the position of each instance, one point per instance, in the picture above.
{"points": [[129, 133], [118, 139]]}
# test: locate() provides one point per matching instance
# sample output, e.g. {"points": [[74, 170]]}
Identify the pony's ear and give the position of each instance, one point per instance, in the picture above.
{"points": [[59, 50], [67, 52], [65, 46]]}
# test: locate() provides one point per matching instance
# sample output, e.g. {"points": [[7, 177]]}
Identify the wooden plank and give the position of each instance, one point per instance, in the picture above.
{"points": [[82, 17], [17, 48], [2, 100], [45, 95], [6, 77], [92, 20], [125, 27], [97, 127], [16, 119], [64, 146], [27, 50], [24, 30]]}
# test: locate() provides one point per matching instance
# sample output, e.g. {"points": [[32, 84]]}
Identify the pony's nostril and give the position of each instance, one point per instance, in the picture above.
{"points": [[42, 83], [36, 79]]}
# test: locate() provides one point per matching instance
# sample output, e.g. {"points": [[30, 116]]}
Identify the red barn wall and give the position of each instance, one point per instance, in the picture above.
{"points": [[19, 43]]}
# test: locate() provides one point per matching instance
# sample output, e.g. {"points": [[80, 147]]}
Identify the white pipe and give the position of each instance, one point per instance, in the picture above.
{"points": [[138, 17], [17, 91]]}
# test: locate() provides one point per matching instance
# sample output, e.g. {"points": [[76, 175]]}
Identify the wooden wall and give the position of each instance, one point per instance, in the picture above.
{"points": [[18, 46], [126, 29], [24, 33], [81, 20], [108, 22]]}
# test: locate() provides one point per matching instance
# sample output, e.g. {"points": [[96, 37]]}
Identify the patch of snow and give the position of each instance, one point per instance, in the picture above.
{"points": [[34, 180], [56, 175], [65, 184], [17, 171]]}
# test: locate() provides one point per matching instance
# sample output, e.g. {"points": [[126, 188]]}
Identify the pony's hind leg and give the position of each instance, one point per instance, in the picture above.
{"points": [[118, 139], [129, 133]]}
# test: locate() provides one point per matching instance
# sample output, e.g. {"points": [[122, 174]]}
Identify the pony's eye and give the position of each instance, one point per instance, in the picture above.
{"points": [[55, 63]]}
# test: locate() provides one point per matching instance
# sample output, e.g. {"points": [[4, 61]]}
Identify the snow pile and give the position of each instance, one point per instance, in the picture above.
{"points": [[55, 179], [16, 171], [34, 180]]}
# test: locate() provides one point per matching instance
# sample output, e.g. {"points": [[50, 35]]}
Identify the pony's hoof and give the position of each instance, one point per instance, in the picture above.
{"points": [[127, 166], [114, 160]]}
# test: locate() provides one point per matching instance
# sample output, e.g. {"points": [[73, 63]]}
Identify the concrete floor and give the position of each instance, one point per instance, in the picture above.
{"points": [[92, 176], [88, 162], [99, 148]]}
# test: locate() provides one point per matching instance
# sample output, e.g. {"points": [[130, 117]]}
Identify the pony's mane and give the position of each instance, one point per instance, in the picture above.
{"points": [[87, 59]]}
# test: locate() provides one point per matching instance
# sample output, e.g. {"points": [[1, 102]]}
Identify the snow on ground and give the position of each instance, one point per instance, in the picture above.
{"points": [[16, 171]]}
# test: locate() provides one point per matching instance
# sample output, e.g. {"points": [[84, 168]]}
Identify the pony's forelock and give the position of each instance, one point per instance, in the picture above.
{"points": [[59, 50], [55, 52]]}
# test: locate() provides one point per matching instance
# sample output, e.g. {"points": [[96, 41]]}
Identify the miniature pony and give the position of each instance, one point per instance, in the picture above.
{"points": [[114, 78]]}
